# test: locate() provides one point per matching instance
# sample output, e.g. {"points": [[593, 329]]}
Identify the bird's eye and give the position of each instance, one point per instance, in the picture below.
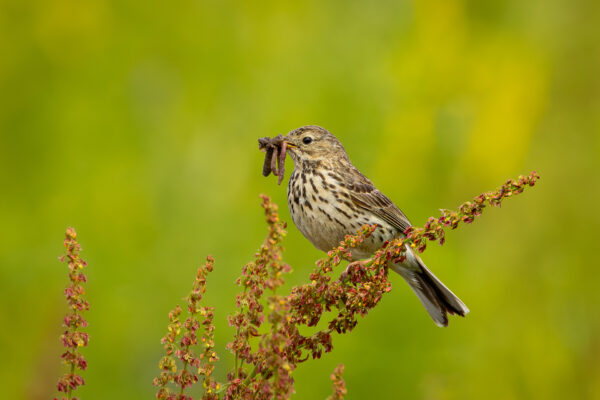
{"points": [[307, 140]]}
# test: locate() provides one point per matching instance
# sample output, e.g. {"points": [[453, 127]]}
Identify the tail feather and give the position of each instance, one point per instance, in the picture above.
{"points": [[435, 296]]}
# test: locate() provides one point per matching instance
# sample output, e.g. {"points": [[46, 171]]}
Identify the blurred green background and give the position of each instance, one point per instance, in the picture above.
{"points": [[137, 123]]}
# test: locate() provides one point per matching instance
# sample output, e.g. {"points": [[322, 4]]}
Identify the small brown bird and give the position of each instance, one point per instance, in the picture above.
{"points": [[329, 198]]}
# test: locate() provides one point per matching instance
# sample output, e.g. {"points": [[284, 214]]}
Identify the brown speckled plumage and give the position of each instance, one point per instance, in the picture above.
{"points": [[329, 198]]}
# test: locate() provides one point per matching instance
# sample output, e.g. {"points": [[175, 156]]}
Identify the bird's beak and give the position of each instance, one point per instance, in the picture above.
{"points": [[289, 144]]}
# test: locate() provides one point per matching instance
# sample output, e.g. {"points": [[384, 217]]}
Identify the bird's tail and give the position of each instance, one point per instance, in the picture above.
{"points": [[435, 296]]}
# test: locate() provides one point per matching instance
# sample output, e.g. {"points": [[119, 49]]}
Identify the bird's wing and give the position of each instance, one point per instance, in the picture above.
{"points": [[366, 196]]}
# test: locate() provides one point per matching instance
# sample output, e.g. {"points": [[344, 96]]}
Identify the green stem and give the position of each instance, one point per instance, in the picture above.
{"points": [[237, 371], [252, 375], [185, 365], [70, 391]]}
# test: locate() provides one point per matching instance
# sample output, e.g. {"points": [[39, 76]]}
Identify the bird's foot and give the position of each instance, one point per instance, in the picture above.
{"points": [[352, 266]]}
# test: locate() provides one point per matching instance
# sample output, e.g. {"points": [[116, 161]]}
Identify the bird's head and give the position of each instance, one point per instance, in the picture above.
{"points": [[313, 143]]}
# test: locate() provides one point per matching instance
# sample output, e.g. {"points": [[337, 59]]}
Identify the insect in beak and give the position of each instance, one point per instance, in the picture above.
{"points": [[275, 151]]}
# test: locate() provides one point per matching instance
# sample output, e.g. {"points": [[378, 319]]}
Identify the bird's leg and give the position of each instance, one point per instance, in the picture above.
{"points": [[353, 265]]}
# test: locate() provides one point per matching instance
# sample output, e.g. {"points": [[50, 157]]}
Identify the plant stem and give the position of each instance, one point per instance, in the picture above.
{"points": [[185, 365], [252, 375], [237, 371], [70, 391]]}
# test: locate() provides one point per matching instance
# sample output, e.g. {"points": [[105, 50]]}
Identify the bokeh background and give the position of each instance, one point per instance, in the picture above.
{"points": [[137, 123]]}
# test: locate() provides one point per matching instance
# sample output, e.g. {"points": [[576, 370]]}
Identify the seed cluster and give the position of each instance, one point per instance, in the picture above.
{"points": [[268, 344], [74, 338], [179, 344]]}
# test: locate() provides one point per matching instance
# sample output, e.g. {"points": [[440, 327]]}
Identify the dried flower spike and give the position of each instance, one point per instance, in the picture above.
{"points": [[180, 343], [339, 386], [267, 343], [74, 337]]}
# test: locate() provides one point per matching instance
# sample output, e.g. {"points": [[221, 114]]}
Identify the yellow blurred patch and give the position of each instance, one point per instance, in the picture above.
{"points": [[509, 83]]}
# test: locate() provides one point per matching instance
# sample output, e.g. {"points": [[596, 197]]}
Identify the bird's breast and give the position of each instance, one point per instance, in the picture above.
{"points": [[322, 209]]}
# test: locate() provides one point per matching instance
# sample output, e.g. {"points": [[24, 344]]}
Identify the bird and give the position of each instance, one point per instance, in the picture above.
{"points": [[329, 198]]}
